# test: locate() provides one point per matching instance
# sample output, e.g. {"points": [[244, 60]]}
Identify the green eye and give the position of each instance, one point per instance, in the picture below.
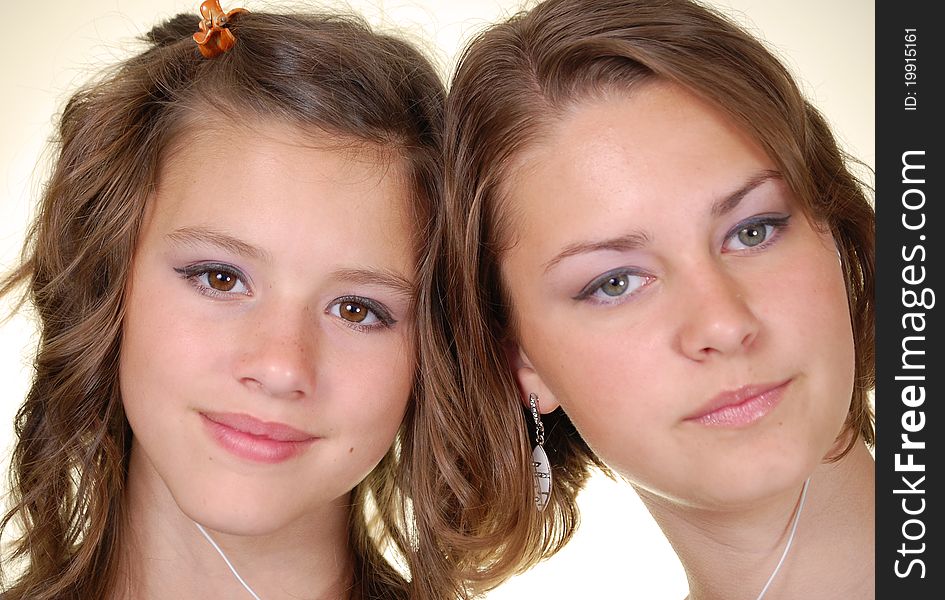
{"points": [[616, 285], [756, 233], [753, 235]]}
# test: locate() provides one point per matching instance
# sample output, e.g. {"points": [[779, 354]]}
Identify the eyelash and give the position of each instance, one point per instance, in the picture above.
{"points": [[778, 224], [589, 291], [193, 273], [384, 319]]}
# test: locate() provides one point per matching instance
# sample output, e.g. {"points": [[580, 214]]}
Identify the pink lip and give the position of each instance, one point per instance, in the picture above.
{"points": [[740, 407], [261, 441]]}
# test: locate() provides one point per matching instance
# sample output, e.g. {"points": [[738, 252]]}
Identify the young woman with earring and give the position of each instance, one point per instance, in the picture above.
{"points": [[651, 230]]}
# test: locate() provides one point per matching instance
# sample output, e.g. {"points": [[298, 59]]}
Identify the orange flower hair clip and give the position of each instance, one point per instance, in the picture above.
{"points": [[214, 37]]}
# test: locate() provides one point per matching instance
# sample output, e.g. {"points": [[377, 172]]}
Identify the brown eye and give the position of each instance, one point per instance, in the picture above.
{"points": [[353, 311], [216, 280], [752, 235], [361, 313], [221, 280]]}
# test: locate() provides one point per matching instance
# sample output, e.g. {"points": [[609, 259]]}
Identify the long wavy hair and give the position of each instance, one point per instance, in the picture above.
{"points": [[322, 73], [513, 83]]}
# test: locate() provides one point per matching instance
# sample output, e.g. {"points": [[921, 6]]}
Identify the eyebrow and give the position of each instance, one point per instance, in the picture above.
{"points": [[639, 239], [727, 204], [198, 236], [383, 277], [623, 243], [202, 236]]}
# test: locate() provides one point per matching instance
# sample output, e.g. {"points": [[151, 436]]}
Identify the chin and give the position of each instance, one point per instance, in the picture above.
{"points": [[727, 486], [234, 523], [238, 513], [767, 483]]}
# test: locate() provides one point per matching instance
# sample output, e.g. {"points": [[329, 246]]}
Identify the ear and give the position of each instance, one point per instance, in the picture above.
{"points": [[529, 381]]}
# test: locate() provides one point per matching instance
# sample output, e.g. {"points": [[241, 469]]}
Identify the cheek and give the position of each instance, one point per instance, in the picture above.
{"points": [[625, 425], [839, 354], [366, 420], [144, 356], [812, 303], [147, 373], [599, 357], [170, 359], [610, 379], [378, 385], [811, 319], [161, 347]]}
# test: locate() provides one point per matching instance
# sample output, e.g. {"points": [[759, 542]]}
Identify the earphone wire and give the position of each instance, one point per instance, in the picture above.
{"points": [[787, 546], [226, 560]]}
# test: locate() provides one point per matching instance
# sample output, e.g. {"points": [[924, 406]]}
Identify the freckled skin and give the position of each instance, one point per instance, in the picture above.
{"points": [[708, 314], [277, 353]]}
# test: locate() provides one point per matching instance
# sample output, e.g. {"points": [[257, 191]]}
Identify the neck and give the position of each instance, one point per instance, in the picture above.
{"points": [[164, 555], [730, 554]]}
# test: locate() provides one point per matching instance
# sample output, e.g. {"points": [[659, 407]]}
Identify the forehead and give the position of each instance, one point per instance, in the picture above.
{"points": [[218, 156], [657, 142], [649, 128], [274, 184], [212, 138]]}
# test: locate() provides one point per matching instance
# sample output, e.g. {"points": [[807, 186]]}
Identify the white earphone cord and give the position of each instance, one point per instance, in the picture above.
{"points": [[797, 516], [764, 590], [226, 560]]}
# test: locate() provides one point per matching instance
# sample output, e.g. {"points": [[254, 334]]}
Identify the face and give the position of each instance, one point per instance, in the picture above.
{"points": [[670, 294], [268, 343]]}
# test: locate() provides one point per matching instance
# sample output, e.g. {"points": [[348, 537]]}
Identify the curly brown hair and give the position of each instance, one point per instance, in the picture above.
{"points": [[325, 73]]}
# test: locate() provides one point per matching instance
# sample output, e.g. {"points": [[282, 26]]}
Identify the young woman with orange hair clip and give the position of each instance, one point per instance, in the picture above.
{"points": [[224, 266]]}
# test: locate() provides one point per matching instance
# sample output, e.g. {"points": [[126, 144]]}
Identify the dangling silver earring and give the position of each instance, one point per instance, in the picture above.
{"points": [[540, 464]]}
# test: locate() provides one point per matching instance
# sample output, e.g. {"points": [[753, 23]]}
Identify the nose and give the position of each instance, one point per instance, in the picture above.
{"points": [[279, 355], [716, 316]]}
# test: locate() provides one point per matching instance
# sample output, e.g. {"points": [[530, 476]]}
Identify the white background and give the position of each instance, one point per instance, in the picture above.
{"points": [[48, 49]]}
